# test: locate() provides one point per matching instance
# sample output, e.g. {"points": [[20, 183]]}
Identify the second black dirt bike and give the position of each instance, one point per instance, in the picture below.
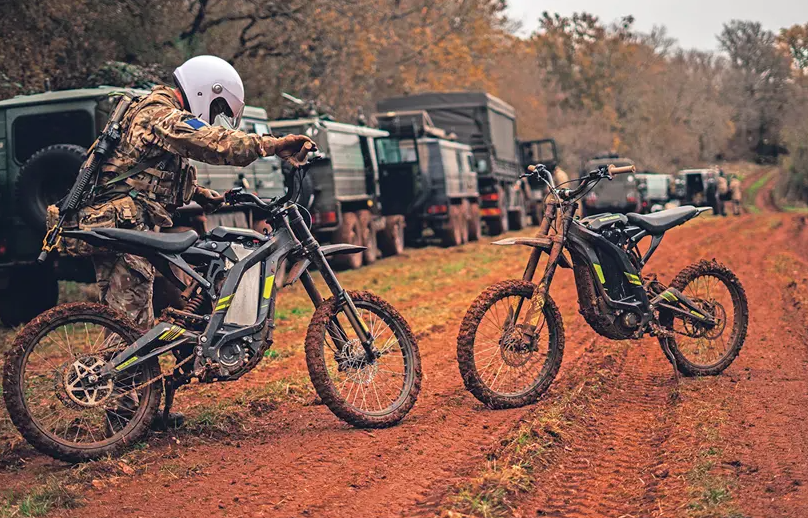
{"points": [[511, 340], [82, 381]]}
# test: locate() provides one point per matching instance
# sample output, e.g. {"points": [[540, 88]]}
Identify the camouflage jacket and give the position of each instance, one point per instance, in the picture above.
{"points": [[156, 129]]}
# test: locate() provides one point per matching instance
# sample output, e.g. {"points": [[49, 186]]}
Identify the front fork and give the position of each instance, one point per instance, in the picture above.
{"points": [[311, 250], [536, 306]]}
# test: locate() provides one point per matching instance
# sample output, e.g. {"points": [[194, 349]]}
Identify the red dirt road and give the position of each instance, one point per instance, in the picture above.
{"points": [[636, 452]]}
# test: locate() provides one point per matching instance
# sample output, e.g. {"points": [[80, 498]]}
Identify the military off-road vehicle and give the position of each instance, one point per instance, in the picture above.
{"points": [[425, 174], [342, 189], [43, 140]]}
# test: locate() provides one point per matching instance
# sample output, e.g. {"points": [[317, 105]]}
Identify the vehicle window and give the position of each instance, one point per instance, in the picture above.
{"points": [[34, 132], [345, 151], [395, 151]]}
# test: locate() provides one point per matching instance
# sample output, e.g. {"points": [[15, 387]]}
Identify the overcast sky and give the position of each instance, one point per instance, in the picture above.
{"points": [[694, 23]]}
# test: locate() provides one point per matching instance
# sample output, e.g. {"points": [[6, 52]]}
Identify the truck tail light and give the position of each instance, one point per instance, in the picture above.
{"points": [[324, 218], [493, 196], [631, 199], [491, 212], [437, 209]]}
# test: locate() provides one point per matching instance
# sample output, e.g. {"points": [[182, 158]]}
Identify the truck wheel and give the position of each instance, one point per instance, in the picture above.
{"points": [[349, 232], [499, 225], [391, 238], [474, 222], [452, 235], [30, 291], [464, 221], [518, 219], [369, 239], [46, 178]]}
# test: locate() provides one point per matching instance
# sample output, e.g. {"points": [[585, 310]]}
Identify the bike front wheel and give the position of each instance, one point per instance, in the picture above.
{"points": [[367, 391], [507, 362]]}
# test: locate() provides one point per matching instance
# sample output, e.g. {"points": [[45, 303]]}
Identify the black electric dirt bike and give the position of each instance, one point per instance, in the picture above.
{"points": [[512, 338], [82, 381]]}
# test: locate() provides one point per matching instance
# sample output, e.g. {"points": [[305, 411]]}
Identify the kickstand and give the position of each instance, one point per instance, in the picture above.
{"points": [[170, 390]]}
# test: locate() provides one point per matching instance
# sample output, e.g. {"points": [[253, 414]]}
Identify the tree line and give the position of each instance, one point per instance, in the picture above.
{"points": [[592, 85]]}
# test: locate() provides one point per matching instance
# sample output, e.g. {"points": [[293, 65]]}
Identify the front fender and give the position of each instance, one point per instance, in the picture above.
{"points": [[337, 249]]}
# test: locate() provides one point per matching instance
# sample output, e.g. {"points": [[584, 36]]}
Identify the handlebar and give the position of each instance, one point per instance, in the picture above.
{"points": [[613, 169], [237, 196], [594, 176]]}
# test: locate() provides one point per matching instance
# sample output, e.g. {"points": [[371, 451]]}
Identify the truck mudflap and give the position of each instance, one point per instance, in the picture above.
{"points": [[328, 250]]}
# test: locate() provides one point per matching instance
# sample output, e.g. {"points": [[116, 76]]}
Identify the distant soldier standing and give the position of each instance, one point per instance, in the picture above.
{"points": [[148, 175], [722, 190], [735, 192]]}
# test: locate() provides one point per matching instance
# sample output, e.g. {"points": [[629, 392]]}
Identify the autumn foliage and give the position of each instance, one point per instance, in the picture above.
{"points": [[594, 86]]}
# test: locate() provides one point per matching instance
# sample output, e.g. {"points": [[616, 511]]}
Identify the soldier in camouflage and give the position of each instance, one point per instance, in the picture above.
{"points": [[148, 176]]}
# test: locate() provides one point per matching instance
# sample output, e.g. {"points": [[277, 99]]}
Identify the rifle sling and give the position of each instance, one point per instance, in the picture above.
{"points": [[139, 168]]}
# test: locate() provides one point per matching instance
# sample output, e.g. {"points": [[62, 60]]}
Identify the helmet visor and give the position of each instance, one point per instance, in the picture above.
{"points": [[221, 115]]}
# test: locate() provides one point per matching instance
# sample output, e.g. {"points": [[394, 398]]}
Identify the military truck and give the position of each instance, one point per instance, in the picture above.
{"points": [[342, 191], [621, 194], [43, 140], [488, 125], [425, 174]]}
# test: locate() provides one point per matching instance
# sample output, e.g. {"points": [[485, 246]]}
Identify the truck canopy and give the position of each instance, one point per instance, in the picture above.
{"points": [[486, 123]]}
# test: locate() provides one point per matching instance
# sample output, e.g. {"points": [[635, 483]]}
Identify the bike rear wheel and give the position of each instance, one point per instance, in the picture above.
{"points": [[698, 350], [501, 365], [368, 394], [48, 393]]}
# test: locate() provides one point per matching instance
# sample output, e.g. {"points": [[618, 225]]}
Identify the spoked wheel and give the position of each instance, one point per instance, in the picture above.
{"points": [[373, 390], [699, 349], [53, 396], [505, 361]]}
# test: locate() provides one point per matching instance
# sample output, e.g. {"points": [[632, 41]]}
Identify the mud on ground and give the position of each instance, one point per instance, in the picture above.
{"points": [[615, 435]]}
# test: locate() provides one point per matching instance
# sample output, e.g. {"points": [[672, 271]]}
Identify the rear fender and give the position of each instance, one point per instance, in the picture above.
{"points": [[328, 250]]}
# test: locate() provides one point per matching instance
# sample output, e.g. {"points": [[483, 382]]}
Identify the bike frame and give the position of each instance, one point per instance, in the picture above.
{"points": [[291, 239], [588, 249]]}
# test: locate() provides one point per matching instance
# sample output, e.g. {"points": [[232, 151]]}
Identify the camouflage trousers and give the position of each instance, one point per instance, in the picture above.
{"points": [[126, 284]]}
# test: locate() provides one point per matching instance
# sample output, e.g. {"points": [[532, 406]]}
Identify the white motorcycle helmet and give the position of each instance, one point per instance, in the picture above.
{"points": [[212, 90]]}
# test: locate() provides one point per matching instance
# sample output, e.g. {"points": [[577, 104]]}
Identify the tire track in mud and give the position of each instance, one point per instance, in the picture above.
{"points": [[611, 464]]}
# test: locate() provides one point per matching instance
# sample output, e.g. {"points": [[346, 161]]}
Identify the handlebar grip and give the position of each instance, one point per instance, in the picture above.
{"points": [[304, 151], [613, 169], [532, 168]]}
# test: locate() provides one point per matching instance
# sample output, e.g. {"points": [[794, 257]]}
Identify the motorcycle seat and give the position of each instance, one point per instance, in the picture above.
{"points": [[664, 220], [169, 243]]}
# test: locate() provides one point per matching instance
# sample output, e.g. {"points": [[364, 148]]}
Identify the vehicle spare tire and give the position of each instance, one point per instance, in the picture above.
{"points": [[46, 178]]}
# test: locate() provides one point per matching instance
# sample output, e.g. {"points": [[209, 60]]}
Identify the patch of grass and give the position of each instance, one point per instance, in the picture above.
{"points": [[751, 193], [40, 500]]}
